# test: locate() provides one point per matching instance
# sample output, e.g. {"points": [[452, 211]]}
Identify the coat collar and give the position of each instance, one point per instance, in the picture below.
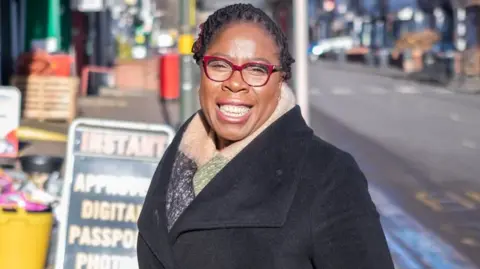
{"points": [[198, 140], [255, 189]]}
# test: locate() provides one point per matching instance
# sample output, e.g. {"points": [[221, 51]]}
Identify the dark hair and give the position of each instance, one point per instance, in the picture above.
{"points": [[242, 13]]}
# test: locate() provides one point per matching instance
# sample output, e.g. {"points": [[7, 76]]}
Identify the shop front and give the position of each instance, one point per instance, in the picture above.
{"points": [[468, 43], [12, 36]]}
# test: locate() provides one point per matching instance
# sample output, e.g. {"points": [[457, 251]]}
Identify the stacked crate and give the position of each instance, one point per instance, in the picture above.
{"points": [[48, 97]]}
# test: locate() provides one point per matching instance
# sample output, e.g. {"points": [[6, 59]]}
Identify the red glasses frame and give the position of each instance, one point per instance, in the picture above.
{"points": [[271, 68]]}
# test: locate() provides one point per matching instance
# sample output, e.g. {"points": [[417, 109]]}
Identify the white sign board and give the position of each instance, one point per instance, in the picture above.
{"points": [[89, 5], [118, 159], [10, 109]]}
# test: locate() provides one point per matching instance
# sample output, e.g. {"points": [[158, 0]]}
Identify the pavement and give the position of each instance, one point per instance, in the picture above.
{"points": [[470, 85], [419, 146], [363, 68]]}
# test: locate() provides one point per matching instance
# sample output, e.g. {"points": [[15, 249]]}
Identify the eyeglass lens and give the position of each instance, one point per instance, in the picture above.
{"points": [[254, 74]]}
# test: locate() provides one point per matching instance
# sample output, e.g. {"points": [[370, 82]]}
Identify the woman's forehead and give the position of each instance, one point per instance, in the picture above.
{"points": [[244, 41]]}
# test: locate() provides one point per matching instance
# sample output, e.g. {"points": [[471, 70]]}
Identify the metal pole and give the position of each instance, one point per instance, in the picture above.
{"points": [[15, 29], [102, 38], [188, 102], [370, 58], [460, 16], [1, 47], [384, 52], [22, 23], [196, 70], [301, 57]]}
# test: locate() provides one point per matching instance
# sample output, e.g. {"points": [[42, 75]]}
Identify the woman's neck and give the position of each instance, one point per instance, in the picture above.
{"points": [[221, 143]]}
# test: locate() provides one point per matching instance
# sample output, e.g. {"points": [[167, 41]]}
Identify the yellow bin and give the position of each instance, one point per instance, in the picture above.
{"points": [[24, 239]]}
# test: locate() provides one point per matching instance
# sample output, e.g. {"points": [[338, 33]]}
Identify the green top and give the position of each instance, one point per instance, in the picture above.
{"points": [[207, 172]]}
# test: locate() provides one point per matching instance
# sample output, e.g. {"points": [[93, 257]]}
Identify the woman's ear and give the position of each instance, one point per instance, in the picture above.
{"points": [[281, 80]]}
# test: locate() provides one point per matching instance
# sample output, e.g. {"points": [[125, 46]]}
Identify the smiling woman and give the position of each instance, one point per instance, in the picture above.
{"points": [[236, 104], [246, 183]]}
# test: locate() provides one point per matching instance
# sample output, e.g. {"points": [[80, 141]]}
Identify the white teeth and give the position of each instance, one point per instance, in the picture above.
{"points": [[234, 111]]}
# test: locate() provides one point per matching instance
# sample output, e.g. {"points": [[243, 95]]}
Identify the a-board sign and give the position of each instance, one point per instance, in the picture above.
{"points": [[109, 167], [10, 105]]}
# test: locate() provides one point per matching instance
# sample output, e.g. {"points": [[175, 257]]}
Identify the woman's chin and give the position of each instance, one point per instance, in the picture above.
{"points": [[231, 131]]}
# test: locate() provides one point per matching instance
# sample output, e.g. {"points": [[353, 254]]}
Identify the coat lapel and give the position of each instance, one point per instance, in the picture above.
{"points": [[152, 223], [257, 186]]}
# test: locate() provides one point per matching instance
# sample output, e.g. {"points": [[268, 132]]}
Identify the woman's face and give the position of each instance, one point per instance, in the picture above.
{"points": [[234, 108]]}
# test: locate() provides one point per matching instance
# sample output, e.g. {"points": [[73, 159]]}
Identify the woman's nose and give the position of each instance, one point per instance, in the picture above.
{"points": [[236, 83]]}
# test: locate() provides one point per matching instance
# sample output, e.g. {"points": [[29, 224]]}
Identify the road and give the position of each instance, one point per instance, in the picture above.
{"points": [[419, 146]]}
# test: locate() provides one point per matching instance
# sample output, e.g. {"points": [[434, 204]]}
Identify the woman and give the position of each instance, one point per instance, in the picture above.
{"points": [[246, 183]]}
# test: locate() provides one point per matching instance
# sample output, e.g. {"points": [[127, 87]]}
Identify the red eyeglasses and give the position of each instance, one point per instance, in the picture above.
{"points": [[254, 74]]}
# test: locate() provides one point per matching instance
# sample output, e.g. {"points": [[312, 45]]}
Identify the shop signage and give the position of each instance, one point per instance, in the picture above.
{"points": [[108, 170], [88, 5], [10, 109]]}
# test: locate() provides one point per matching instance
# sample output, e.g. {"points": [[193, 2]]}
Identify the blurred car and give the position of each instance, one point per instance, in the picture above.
{"points": [[330, 45]]}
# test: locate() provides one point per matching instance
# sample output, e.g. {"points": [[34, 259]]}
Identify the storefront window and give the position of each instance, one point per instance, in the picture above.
{"points": [[367, 34], [445, 26], [472, 25], [379, 34]]}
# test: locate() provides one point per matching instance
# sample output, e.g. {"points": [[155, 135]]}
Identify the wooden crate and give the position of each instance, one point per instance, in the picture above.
{"points": [[48, 97]]}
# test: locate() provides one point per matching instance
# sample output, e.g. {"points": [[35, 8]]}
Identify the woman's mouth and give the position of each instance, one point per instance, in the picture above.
{"points": [[233, 113], [234, 110]]}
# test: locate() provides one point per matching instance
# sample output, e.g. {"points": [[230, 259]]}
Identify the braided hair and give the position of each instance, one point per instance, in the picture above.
{"points": [[242, 13]]}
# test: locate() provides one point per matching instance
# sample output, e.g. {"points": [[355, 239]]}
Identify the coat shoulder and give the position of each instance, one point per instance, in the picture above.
{"points": [[326, 167], [343, 219], [323, 156]]}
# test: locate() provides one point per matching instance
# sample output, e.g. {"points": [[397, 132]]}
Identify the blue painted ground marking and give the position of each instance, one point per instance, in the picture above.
{"points": [[411, 244], [400, 256]]}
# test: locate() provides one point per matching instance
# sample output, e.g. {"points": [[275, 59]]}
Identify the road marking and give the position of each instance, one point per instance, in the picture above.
{"points": [[427, 248], [406, 89], [440, 201], [454, 116], [426, 199], [377, 90], [442, 91], [469, 144], [469, 233], [475, 196], [315, 91], [342, 91], [470, 242], [463, 201], [401, 257]]}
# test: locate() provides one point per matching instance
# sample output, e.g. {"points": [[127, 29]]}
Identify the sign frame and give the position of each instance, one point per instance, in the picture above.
{"points": [[12, 93], [60, 244]]}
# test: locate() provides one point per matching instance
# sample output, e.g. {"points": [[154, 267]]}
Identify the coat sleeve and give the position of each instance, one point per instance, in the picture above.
{"points": [[346, 229]]}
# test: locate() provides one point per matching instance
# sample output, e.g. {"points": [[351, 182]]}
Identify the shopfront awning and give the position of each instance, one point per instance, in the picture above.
{"points": [[464, 3]]}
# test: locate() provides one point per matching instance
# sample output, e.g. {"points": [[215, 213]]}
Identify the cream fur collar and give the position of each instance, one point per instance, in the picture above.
{"points": [[198, 141]]}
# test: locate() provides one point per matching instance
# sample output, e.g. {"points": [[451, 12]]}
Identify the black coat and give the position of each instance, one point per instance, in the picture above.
{"points": [[289, 200]]}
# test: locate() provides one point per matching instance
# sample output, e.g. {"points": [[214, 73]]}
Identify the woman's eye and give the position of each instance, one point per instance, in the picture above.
{"points": [[217, 65], [257, 69]]}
